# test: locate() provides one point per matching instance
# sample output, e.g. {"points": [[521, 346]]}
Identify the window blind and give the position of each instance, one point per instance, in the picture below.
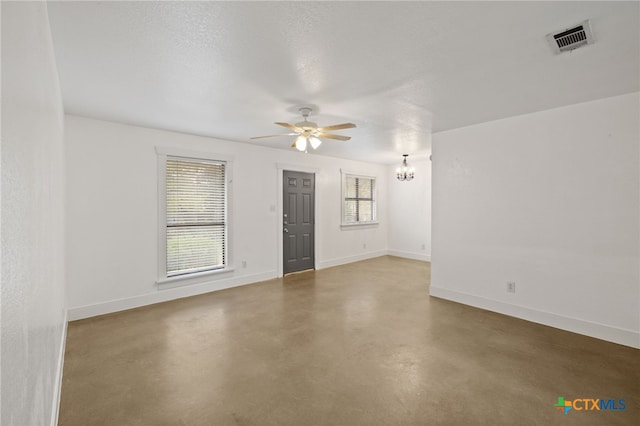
{"points": [[359, 200], [196, 215]]}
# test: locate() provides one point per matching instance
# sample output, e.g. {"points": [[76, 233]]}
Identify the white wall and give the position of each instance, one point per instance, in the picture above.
{"points": [[410, 212], [551, 201], [32, 225], [112, 213]]}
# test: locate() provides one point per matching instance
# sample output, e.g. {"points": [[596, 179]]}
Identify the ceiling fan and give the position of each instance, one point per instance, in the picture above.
{"points": [[309, 133]]}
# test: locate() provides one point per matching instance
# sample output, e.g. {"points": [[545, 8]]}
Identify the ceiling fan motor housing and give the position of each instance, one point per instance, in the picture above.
{"points": [[307, 125]]}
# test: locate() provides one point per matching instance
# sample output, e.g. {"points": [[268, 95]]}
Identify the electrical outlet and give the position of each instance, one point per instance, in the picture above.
{"points": [[511, 286], [364, 246], [424, 247], [244, 263]]}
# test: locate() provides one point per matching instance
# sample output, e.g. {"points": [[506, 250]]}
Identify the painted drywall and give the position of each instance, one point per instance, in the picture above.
{"points": [[549, 201], [112, 213], [32, 225], [410, 212]]}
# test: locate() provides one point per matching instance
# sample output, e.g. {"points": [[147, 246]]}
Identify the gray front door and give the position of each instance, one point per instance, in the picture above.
{"points": [[298, 221]]}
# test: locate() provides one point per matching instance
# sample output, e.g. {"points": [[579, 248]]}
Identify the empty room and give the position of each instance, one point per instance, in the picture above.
{"points": [[320, 213]]}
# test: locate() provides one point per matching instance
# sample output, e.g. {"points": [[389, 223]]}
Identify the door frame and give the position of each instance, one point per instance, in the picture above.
{"points": [[281, 167]]}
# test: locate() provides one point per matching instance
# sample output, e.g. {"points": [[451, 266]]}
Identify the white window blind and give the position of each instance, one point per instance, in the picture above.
{"points": [[359, 200], [196, 215]]}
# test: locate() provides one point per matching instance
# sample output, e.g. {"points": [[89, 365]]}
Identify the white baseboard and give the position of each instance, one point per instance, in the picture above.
{"points": [[599, 331], [410, 255], [57, 385], [172, 293], [81, 312], [350, 259], [164, 295]]}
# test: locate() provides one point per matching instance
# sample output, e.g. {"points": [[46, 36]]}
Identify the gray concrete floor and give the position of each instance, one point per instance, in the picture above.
{"points": [[359, 344]]}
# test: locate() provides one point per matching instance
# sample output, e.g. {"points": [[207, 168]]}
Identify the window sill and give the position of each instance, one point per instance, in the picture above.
{"points": [[195, 278], [347, 226]]}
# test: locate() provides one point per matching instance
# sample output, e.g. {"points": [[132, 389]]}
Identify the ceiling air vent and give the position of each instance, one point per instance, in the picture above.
{"points": [[571, 38]]}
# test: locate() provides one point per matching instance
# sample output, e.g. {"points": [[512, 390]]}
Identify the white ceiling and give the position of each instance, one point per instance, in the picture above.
{"points": [[398, 70]]}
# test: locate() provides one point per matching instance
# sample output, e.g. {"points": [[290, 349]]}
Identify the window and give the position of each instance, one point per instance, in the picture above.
{"points": [[195, 216], [359, 200]]}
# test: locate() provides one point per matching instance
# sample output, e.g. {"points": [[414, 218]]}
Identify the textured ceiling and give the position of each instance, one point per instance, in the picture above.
{"points": [[398, 70]]}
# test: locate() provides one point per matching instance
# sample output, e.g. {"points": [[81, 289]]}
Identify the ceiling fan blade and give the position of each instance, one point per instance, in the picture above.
{"points": [[329, 136], [273, 136], [337, 127], [290, 127]]}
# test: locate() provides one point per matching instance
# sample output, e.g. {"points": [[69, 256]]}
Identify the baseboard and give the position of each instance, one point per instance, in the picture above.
{"points": [[350, 259], [165, 295], [599, 331], [55, 409], [410, 255]]}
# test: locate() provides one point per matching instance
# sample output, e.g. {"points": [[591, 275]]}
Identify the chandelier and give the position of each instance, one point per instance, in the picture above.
{"points": [[405, 172]]}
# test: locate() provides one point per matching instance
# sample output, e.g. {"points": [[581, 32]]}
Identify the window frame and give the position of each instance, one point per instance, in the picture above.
{"points": [[164, 153], [343, 200]]}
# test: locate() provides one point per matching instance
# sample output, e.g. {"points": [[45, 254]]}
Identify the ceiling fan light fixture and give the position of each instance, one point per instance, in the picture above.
{"points": [[301, 143], [315, 142]]}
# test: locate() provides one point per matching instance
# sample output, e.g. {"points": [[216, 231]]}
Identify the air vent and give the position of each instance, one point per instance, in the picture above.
{"points": [[571, 38]]}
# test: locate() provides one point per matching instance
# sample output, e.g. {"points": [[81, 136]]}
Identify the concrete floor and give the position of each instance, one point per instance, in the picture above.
{"points": [[360, 344]]}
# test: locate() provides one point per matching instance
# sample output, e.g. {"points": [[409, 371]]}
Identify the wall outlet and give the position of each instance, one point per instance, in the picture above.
{"points": [[511, 286], [364, 245], [423, 246], [244, 263]]}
